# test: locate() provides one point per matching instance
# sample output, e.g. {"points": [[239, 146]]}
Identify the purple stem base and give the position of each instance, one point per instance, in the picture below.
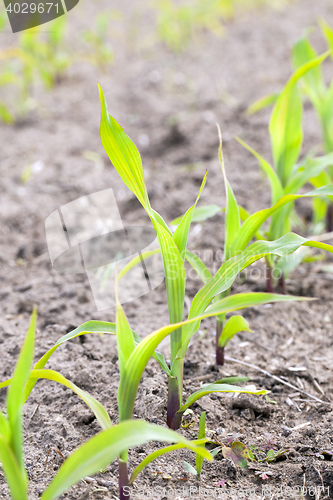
{"points": [[123, 481], [174, 418], [219, 350]]}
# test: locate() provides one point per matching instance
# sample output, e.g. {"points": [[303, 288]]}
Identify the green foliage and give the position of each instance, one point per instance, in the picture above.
{"points": [[312, 84], [201, 435], [99, 451], [179, 23], [37, 59], [126, 159], [239, 254]]}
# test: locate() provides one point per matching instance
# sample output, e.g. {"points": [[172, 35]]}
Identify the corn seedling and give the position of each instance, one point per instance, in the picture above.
{"points": [[312, 84], [127, 161], [101, 54], [102, 449], [239, 253], [288, 177], [178, 24], [37, 59], [133, 357]]}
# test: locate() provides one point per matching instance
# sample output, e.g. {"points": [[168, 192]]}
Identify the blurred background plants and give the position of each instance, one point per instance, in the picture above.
{"points": [[40, 58]]}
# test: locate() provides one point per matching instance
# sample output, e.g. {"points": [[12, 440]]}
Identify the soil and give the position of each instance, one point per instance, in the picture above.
{"points": [[169, 104]]}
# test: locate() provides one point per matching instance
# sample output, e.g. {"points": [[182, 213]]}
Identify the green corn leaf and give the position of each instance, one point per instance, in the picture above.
{"points": [[15, 395], [125, 340], [286, 123], [203, 272], [140, 356], [232, 218], [244, 214], [152, 456], [275, 183], [175, 282], [234, 325], [262, 103], [189, 468], [156, 454], [287, 264], [232, 380], [137, 260], [327, 32], [181, 234], [17, 481], [96, 407], [312, 81], [245, 300], [4, 427], [202, 434], [227, 273], [6, 115], [126, 159], [209, 389], [255, 221], [201, 214], [89, 327], [122, 152], [102, 449], [99, 411], [308, 169]]}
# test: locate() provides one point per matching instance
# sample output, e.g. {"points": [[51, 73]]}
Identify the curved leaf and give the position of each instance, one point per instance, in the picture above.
{"points": [[209, 389], [102, 449], [85, 328], [311, 167], [140, 356], [234, 325], [156, 454], [122, 152], [96, 407], [17, 481], [200, 214], [262, 103], [15, 395], [232, 217], [285, 125], [227, 273]]}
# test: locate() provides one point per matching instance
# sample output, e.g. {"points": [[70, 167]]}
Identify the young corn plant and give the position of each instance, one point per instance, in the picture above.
{"points": [[110, 443], [313, 85], [127, 161], [101, 54], [239, 254], [36, 59], [287, 177], [320, 94]]}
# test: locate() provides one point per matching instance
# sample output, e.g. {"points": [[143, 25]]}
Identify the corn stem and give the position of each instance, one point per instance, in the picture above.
{"points": [[123, 480]]}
